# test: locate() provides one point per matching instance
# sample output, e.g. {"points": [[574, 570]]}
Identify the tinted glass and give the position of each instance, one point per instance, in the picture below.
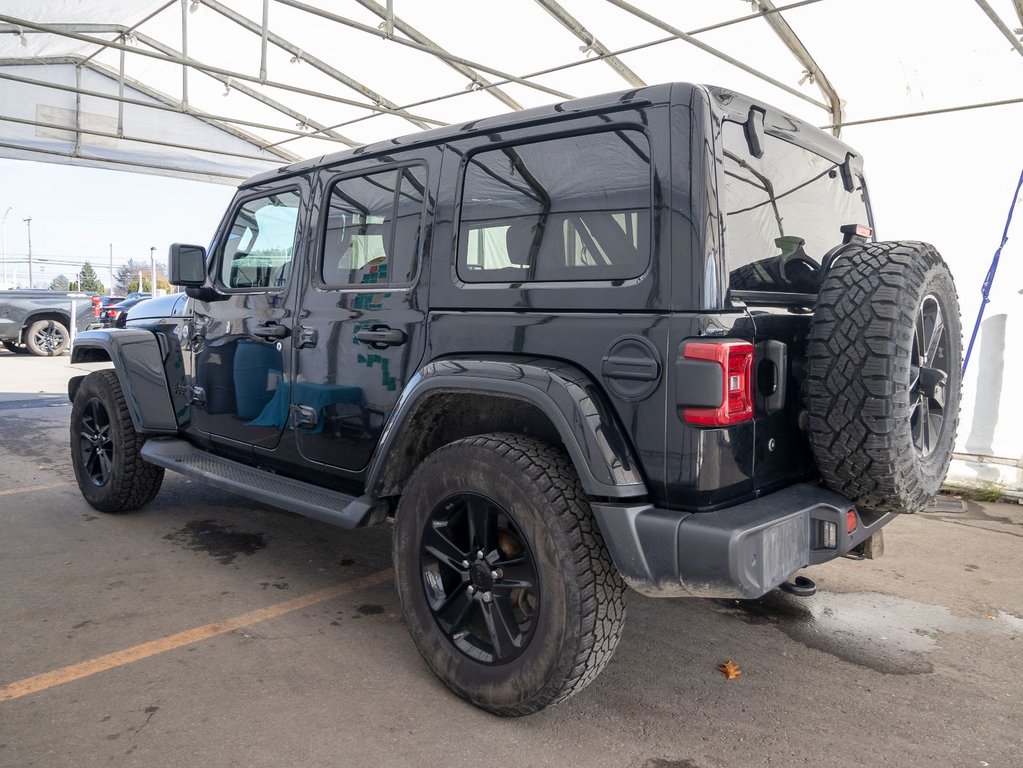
{"points": [[260, 244], [576, 208], [781, 213], [373, 226]]}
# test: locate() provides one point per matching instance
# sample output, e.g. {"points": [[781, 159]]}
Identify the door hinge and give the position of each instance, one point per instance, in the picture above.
{"points": [[307, 337], [303, 416]]}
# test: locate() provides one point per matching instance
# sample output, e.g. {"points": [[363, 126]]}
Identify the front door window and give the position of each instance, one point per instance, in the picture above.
{"points": [[260, 244]]}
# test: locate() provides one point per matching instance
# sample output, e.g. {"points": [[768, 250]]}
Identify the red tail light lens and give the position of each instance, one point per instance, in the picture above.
{"points": [[736, 361]]}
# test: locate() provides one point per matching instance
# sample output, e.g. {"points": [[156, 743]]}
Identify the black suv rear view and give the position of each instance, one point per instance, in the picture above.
{"points": [[643, 339]]}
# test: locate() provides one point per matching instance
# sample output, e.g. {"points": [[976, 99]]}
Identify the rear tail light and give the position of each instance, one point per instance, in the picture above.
{"points": [[850, 521], [735, 359]]}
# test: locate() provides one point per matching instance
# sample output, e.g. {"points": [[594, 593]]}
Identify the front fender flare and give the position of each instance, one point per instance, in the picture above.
{"points": [[586, 424], [138, 362]]}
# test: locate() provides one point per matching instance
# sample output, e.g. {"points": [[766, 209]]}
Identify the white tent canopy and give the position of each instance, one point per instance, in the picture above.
{"points": [[104, 83], [217, 90]]}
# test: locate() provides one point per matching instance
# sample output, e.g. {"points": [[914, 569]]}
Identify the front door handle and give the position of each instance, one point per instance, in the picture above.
{"points": [[271, 331], [380, 337]]}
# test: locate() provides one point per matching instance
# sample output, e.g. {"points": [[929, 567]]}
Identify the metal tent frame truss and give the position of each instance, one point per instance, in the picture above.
{"points": [[136, 86]]}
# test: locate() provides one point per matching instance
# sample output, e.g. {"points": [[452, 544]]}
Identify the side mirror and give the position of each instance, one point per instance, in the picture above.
{"points": [[187, 265]]}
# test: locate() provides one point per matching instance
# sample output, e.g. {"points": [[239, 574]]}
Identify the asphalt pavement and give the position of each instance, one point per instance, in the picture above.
{"points": [[210, 630]]}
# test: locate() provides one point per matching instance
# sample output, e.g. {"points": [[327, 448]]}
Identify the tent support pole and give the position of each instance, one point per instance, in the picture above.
{"points": [[688, 38], [207, 69], [171, 107], [120, 96], [781, 28], [78, 111], [255, 94], [997, 21], [301, 56], [478, 82], [591, 43], [184, 54], [262, 49]]}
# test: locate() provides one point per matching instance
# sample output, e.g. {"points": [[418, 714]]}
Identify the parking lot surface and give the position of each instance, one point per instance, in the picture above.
{"points": [[210, 630]]}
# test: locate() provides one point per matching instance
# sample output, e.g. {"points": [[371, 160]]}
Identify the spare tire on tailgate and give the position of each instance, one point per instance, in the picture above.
{"points": [[883, 375]]}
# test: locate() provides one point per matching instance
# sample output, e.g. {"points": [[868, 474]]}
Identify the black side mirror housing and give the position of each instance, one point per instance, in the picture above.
{"points": [[187, 265]]}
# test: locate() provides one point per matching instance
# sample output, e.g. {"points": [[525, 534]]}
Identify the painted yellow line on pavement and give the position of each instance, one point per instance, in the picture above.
{"points": [[31, 488], [73, 672]]}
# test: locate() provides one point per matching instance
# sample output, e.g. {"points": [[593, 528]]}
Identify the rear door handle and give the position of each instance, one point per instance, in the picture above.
{"points": [[380, 336], [271, 331]]}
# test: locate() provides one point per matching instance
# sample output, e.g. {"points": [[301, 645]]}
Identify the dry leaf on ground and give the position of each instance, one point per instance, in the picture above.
{"points": [[730, 670]]}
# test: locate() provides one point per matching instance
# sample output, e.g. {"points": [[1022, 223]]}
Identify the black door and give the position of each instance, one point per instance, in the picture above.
{"points": [[242, 344], [362, 330]]}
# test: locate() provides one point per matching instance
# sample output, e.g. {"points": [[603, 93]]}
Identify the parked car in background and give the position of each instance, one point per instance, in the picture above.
{"points": [[40, 321], [99, 306], [116, 314]]}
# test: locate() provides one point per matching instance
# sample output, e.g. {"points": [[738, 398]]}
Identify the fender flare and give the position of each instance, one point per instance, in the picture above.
{"points": [[585, 422], [138, 362]]}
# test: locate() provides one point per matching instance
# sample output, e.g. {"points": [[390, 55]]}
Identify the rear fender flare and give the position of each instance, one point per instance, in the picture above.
{"points": [[585, 422], [139, 363]]}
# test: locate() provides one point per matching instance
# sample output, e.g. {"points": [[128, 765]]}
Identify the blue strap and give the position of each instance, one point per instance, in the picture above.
{"points": [[985, 289]]}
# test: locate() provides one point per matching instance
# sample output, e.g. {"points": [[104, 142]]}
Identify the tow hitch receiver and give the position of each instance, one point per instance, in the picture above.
{"points": [[800, 586]]}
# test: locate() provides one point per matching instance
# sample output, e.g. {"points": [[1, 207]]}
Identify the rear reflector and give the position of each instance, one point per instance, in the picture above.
{"points": [[736, 361], [851, 521], [829, 535]]}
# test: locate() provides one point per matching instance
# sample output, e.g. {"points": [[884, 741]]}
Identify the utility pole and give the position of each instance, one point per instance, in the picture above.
{"points": [[112, 289], [9, 209], [152, 266], [29, 222]]}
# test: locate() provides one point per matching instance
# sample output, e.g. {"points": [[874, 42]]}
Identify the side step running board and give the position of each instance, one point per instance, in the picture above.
{"points": [[293, 495]]}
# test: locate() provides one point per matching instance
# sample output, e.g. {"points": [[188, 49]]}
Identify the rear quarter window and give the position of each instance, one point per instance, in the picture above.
{"points": [[569, 209]]}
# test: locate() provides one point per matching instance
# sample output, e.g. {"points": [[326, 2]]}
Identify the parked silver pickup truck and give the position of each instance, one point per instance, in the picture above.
{"points": [[40, 321]]}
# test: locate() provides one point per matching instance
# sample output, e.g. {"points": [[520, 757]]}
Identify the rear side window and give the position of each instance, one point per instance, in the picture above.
{"points": [[373, 228], [782, 213], [575, 208]]}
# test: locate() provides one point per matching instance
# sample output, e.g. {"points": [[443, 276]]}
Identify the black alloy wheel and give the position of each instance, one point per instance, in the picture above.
{"points": [[106, 449], [928, 376], [481, 582], [504, 579], [95, 442]]}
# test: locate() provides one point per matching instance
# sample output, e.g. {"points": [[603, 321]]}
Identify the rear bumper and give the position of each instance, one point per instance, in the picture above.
{"points": [[742, 551]]}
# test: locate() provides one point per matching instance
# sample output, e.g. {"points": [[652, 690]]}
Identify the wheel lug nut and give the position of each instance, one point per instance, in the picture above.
{"points": [[472, 590], [480, 555], [487, 597], [495, 574], [465, 563]]}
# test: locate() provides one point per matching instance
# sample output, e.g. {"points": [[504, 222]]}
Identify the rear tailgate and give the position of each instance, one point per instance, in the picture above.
{"points": [[712, 465], [782, 451]]}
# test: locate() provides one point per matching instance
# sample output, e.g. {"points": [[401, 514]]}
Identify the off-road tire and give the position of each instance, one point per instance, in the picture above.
{"points": [[581, 610], [131, 482], [18, 349], [47, 338], [859, 389]]}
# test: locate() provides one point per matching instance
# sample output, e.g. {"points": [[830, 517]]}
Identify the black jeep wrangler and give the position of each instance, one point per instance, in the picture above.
{"points": [[643, 339]]}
